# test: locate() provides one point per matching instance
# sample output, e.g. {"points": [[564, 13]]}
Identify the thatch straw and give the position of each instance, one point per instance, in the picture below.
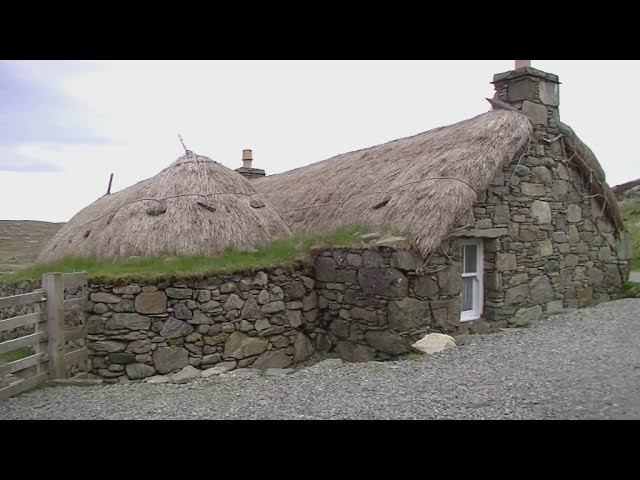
{"points": [[420, 186], [208, 207], [580, 156]]}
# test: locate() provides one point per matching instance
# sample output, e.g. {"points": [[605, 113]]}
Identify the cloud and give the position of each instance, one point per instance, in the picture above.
{"points": [[34, 111], [23, 163]]}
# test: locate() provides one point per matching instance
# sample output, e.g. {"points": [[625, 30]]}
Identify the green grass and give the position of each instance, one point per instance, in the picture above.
{"points": [[14, 355], [280, 253], [630, 210], [631, 290]]}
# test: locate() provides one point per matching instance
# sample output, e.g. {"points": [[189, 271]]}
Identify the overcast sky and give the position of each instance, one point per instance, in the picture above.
{"points": [[66, 125]]}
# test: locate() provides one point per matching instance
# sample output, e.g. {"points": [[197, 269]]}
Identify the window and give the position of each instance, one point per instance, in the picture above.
{"points": [[472, 285]]}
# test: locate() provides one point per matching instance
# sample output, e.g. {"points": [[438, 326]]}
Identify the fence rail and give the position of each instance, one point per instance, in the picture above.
{"points": [[49, 359], [24, 299], [21, 321]]}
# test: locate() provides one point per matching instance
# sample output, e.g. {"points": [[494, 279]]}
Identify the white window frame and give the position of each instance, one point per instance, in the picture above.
{"points": [[478, 290]]}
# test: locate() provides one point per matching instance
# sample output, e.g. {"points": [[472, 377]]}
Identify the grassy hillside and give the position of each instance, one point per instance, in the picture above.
{"points": [[22, 240]]}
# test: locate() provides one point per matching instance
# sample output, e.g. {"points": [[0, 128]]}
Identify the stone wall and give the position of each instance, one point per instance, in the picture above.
{"points": [[372, 303], [261, 320], [553, 249], [358, 303]]}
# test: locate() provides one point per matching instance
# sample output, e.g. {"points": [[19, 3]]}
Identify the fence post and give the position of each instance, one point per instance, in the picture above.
{"points": [[54, 290]]}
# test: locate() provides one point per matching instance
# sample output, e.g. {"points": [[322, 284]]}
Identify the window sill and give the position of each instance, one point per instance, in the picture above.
{"points": [[470, 318]]}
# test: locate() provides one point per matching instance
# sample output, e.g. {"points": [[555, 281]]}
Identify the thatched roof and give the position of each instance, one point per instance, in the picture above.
{"points": [[194, 206], [581, 157], [421, 185]]}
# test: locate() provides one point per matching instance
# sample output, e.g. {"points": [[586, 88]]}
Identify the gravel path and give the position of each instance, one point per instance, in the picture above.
{"points": [[584, 364]]}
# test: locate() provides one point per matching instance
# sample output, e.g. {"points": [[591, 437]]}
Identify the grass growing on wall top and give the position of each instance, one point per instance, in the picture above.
{"points": [[280, 253]]}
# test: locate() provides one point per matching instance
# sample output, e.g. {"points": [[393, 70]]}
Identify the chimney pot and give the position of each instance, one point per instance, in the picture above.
{"points": [[247, 158]]}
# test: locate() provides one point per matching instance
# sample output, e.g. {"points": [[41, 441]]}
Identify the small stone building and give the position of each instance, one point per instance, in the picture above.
{"points": [[509, 211], [508, 218]]}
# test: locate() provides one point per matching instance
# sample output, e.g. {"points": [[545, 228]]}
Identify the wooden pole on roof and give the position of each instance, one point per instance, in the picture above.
{"points": [[109, 187], [186, 150]]}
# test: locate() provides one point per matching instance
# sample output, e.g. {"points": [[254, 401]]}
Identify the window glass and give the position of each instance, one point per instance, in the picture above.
{"points": [[467, 293], [470, 256]]}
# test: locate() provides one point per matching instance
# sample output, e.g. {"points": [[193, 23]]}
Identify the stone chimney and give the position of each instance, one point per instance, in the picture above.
{"points": [[536, 94], [247, 170], [533, 91]]}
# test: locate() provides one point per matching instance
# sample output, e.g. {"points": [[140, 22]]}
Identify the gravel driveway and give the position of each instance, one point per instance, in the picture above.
{"points": [[584, 364]]}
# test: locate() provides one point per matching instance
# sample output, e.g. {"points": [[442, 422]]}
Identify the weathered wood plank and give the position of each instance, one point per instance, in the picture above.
{"points": [[76, 356], [52, 284], [74, 304], [21, 321], [74, 333], [38, 347], [25, 341], [23, 385], [24, 299], [71, 280], [16, 366]]}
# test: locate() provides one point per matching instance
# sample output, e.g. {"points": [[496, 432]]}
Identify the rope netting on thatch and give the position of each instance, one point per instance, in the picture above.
{"points": [[194, 206], [578, 155]]}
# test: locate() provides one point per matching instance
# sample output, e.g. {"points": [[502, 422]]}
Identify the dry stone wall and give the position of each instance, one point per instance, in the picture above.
{"points": [[260, 320], [373, 305], [360, 303]]}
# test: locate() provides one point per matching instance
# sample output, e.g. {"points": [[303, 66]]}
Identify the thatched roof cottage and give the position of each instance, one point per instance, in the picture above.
{"points": [[194, 206], [512, 200]]}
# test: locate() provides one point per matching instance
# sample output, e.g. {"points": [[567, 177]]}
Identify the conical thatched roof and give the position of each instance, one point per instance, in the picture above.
{"points": [[194, 206], [421, 185]]}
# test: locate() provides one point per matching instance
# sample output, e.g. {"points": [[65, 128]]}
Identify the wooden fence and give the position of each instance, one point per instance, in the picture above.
{"points": [[49, 360]]}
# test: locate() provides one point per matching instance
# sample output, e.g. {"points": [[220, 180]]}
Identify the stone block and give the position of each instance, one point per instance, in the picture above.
{"points": [[537, 113], [407, 314], [168, 359], [387, 342], [405, 260], [541, 212], [151, 303], [574, 213], [526, 316], [325, 268], [532, 189], [387, 282], [506, 261]]}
